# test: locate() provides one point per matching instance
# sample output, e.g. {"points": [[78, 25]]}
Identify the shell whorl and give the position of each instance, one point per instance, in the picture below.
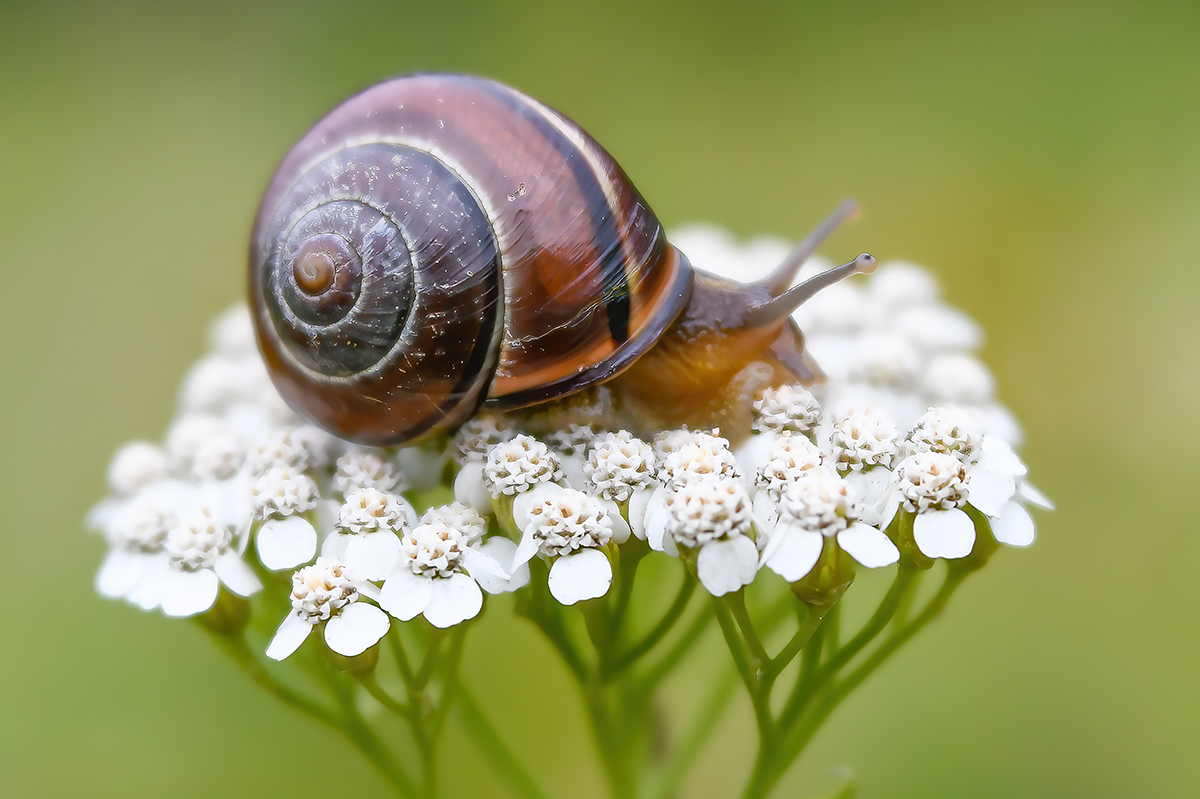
{"points": [[440, 240]]}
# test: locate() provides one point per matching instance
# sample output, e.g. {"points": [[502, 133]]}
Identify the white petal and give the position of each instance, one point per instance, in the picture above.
{"points": [[356, 629], [189, 593], [765, 509], [223, 499], [944, 533], [523, 502], [995, 455], [475, 562], [372, 556], [989, 491], [286, 543], [754, 453], [725, 566], [585, 574], [1014, 526], [237, 575], [334, 546], [470, 490], [526, 549], [868, 546], [639, 501], [1033, 496], [405, 595], [796, 553], [572, 469], [890, 508], [147, 592], [455, 599], [501, 550], [656, 518], [288, 637], [369, 590], [119, 573], [423, 467], [620, 527], [669, 546]]}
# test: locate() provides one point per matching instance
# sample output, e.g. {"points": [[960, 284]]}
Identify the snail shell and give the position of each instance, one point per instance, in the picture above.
{"points": [[441, 240]]}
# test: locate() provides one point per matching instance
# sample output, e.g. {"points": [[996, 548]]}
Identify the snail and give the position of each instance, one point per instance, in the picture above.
{"points": [[438, 243]]}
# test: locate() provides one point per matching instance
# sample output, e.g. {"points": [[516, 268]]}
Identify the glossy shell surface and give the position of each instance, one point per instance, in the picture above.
{"points": [[441, 240]]}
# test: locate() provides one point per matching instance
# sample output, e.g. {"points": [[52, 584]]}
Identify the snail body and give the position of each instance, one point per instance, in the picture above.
{"points": [[441, 242]]}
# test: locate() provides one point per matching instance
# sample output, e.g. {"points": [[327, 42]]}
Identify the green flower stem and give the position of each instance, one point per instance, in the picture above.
{"points": [[494, 749], [810, 656], [813, 676], [626, 574], [737, 647], [682, 646], [701, 728], [357, 729], [607, 738], [450, 683], [239, 652], [396, 644], [736, 602], [832, 622], [904, 582], [372, 686], [430, 663], [535, 606], [660, 630], [775, 666], [798, 738], [596, 621]]}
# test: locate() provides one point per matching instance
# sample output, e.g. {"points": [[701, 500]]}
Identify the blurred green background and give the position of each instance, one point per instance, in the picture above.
{"points": [[1042, 158]]}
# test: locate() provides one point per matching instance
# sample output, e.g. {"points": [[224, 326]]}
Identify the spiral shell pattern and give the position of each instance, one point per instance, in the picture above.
{"points": [[439, 241]]}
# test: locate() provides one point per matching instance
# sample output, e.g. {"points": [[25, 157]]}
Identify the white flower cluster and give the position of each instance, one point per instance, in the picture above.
{"points": [[242, 488]]}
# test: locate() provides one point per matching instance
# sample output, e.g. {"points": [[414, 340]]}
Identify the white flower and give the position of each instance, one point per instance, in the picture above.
{"points": [[285, 539], [955, 431], [437, 573], [697, 455], [479, 434], [712, 515], [999, 490], [570, 527], [619, 465], [137, 562], [957, 379], [571, 444], [328, 592], [232, 333], [937, 328], [886, 360], [572, 439], [817, 506], [201, 556], [518, 465], [136, 465], [786, 457], [787, 407], [286, 448], [934, 487], [897, 285], [367, 536], [204, 447], [367, 467], [862, 440]]}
